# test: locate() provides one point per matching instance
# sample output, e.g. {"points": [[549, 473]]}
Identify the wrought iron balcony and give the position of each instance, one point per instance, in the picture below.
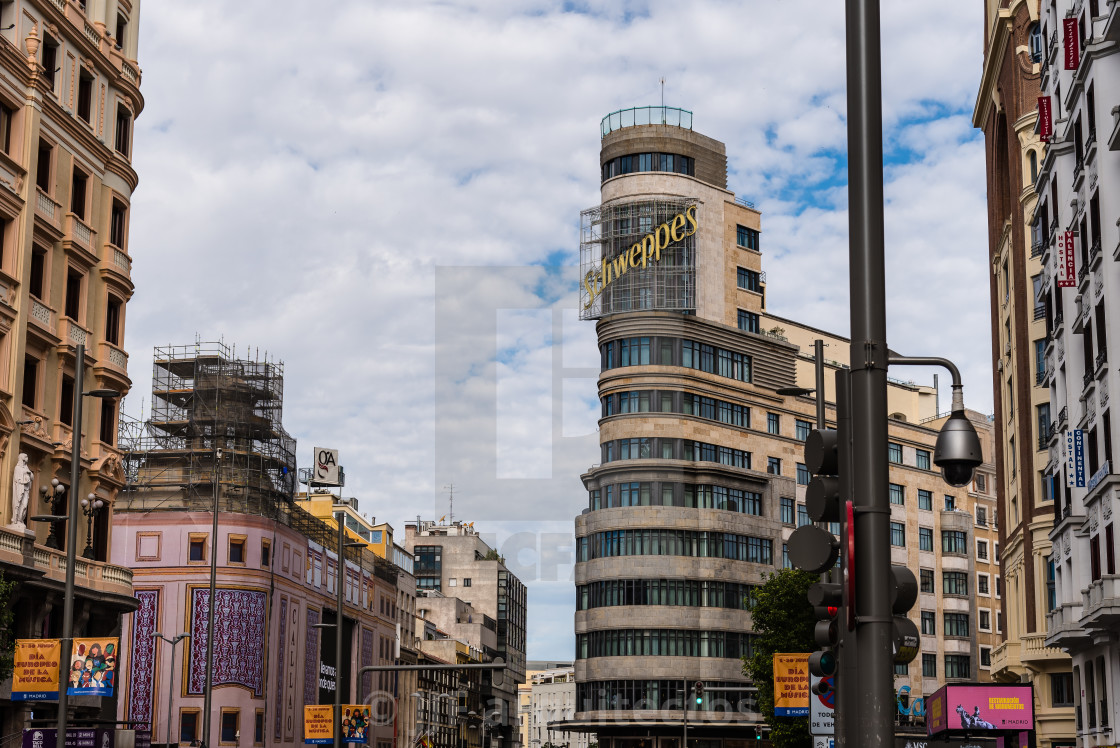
{"points": [[1063, 414], [1039, 311], [1082, 273], [1087, 379], [1040, 377], [1044, 440], [1036, 248], [1101, 360]]}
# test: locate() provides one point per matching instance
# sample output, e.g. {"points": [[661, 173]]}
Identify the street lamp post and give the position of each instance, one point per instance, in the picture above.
{"points": [[90, 506], [67, 643], [173, 641], [208, 698]]}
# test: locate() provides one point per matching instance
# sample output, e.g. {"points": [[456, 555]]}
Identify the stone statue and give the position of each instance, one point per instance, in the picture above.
{"points": [[21, 492]]}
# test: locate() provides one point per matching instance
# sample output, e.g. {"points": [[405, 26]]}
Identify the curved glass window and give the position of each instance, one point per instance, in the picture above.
{"points": [[666, 542], [664, 643], [689, 495], [693, 593], [688, 354], [1034, 39], [686, 403], [644, 448], [638, 162], [626, 695]]}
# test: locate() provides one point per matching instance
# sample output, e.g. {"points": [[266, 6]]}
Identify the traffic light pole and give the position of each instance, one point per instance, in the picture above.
{"points": [[869, 360]]}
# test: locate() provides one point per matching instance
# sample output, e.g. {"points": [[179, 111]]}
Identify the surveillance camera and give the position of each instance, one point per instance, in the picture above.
{"points": [[957, 451]]}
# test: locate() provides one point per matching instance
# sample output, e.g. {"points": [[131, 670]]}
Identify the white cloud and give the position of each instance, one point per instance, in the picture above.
{"points": [[334, 187]]}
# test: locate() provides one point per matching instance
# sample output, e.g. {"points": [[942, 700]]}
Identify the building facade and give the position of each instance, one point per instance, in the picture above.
{"points": [[552, 699], [701, 478], [216, 439], [1078, 187], [471, 581], [69, 92], [1007, 111]]}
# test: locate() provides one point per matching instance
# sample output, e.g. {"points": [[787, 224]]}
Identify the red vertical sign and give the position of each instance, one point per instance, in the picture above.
{"points": [[1070, 27], [1045, 120], [1067, 264]]}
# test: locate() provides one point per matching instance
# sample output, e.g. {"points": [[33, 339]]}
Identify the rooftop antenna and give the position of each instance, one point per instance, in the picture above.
{"points": [[451, 502], [662, 92]]}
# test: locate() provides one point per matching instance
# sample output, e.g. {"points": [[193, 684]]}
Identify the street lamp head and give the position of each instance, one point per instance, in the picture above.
{"points": [[106, 394], [957, 451], [794, 391]]}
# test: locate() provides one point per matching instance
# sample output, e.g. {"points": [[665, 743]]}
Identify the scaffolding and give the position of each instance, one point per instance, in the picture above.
{"points": [[215, 425], [608, 235]]}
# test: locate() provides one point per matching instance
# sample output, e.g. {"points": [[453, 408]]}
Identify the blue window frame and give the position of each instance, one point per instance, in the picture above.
{"points": [[748, 321], [803, 474], [925, 499]]}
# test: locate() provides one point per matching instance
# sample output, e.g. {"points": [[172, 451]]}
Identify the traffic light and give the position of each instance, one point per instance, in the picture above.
{"points": [[826, 600], [813, 548], [904, 593], [698, 691]]}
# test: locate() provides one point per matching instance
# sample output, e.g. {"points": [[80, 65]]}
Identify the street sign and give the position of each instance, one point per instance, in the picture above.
{"points": [[824, 741], [822, 708]]}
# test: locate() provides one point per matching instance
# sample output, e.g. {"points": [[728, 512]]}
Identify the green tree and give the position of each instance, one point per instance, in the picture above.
{"points": [[783, 622], [7, 633]]}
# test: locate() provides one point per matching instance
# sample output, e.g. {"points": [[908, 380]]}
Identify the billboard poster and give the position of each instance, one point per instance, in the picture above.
{"points": [[35, 671], [1072, 39], [355, 723], [78, 737], [93, 666], [981, 707], [822, 708], [325, 472], [318, 724], [1075, 458], [1045, 119], [791, 685], [1066, 260]]}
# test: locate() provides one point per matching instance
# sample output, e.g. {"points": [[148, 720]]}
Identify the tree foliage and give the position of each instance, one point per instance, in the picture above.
{"points": [[783, 622], [7, 632]]}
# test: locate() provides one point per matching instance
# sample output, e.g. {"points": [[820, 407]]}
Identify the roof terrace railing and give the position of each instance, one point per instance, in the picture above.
{"points": [[645, 115]]}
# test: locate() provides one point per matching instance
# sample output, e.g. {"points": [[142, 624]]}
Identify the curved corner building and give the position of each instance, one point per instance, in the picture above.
{"points": [[683, 511]]}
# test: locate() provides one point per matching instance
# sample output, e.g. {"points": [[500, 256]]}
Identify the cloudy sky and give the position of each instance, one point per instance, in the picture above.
{"points": [[386, 196]]}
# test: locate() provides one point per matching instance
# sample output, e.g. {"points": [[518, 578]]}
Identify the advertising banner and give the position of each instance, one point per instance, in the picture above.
{"points": [[1066, 260], [325, 472], [318, 724], [791, 685], [1075, 458], [981, 707], [93, 667], [355, 723], [35, 674], [822, 709], [78, 737], [1072, 41], [1045, 119]]}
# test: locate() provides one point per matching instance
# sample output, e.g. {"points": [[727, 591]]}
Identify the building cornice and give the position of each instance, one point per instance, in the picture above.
{"points": [[993, 62]]}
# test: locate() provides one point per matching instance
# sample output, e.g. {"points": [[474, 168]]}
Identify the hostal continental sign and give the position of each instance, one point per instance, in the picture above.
{"points": [[655, 281]]}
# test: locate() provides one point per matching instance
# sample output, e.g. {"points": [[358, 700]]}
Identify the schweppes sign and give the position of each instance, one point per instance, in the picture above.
{"points": [[642, 253]]}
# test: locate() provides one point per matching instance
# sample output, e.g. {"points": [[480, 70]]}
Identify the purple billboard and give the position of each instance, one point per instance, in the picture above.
{"points": [[980, 707]]}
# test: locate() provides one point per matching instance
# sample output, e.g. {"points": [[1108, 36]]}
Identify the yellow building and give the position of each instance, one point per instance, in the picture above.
{"points": [[1006, 110]]}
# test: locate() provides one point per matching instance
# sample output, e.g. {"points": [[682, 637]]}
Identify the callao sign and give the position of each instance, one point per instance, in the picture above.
{"points": [[325, 472]]}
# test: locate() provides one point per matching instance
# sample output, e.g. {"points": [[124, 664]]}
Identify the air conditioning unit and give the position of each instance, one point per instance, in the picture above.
{"points": [[999, 365]]}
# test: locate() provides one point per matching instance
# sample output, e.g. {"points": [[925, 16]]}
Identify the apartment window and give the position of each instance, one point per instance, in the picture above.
{"points": [[954, 541], [981, 516], [921, 459], [1061, 689], [773, 423], [985, 619], [925, 539], [746, 238], [929, 623], [1051, 589], [985, 656], [749, 280], [66, 401], [30, 381], [1034, 37], [925, 580], [955, 583], [981, 483], [466, 581], [999, 590], [7, 114], [956, 624], [982, 550], [122, 27], [113, 320], [237, 549], [950, 503], [897, 494], [85, 95], [773, 466], [108, 432], [982, 582], [50, 59], [188, 726], [803, 474], [266, 553], [898, 534], [958, 666], [894, 453], [117, 224], [929, 666], [1109, 553], [43, 166], [73, 305], [925, 499], [786, 563], [197, 548], [901, 668], [78, 193], [748, 321], [802, 429], [230, 718], [803, 516], [124, 129], [258, 728], [786, 510]]}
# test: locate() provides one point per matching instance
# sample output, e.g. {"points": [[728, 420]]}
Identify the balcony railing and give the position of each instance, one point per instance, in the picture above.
{"points": [[1082, 274], [1087, 379], [1036, 248], [1059, 317], [1101, 359], [1044, 439], [1095, 249], [42, 314], [1039, 311], [1079, 167], [1040, 377], [1063, 414]]}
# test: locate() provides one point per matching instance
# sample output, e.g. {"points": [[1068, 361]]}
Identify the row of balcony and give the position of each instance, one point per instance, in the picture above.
{"points": [[51, 564]]}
